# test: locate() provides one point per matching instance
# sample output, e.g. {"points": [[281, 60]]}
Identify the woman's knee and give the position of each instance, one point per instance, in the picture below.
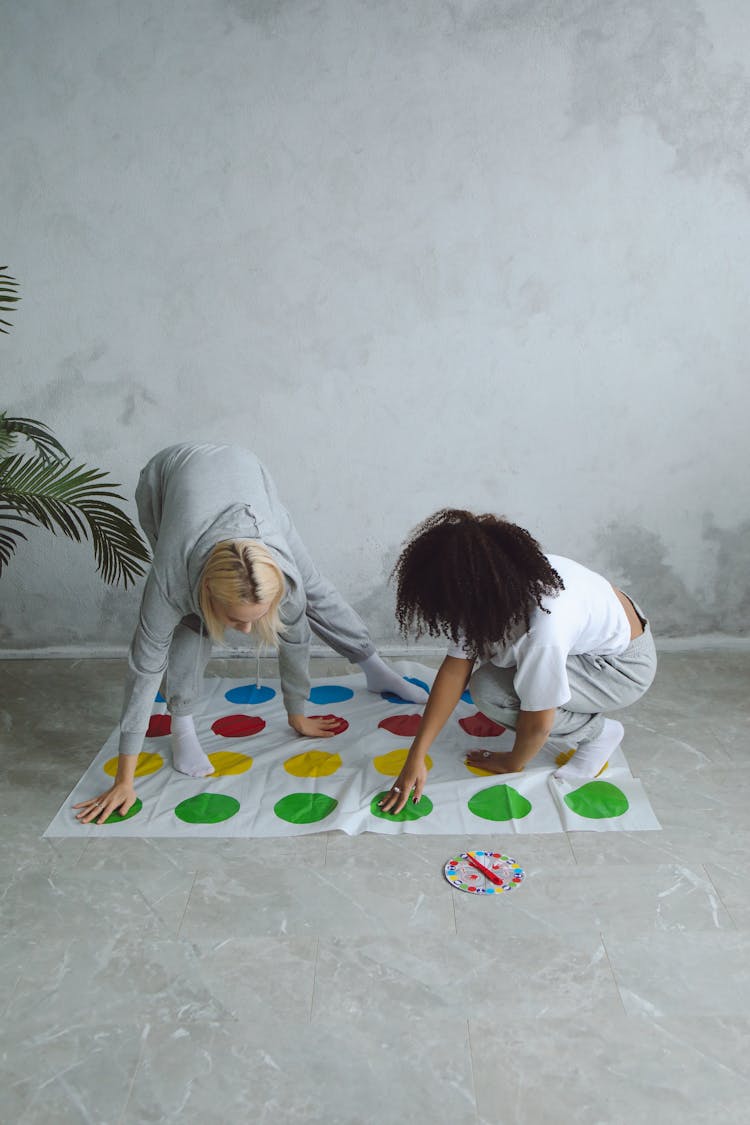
{"points": [[492, 687]]}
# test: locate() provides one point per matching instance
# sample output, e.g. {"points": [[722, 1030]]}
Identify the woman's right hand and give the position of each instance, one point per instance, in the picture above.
{"points": [[120, 798]]}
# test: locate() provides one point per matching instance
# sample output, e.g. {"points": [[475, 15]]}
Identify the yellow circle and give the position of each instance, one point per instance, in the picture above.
{"points": [[313, 763], [479, 771], [147, 763], [391, 764], [564, 756], [229, 761]]}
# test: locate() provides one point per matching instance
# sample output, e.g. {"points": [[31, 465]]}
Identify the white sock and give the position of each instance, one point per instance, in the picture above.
{"points": [[591, 757], [188, 755], [380, 677]]}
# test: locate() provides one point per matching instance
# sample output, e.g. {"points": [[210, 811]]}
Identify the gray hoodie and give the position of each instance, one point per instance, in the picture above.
{"points": [[191, 497]]}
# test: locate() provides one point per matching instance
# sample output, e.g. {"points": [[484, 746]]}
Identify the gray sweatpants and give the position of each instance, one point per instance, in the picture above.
{"points": [[597, 684], [330, 617]]}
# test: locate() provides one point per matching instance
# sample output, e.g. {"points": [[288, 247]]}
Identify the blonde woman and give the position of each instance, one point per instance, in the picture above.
{"points": [[225, 556]]}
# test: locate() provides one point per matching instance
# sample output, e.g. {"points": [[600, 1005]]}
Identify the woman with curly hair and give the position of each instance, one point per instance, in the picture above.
{"points": [[556, 644], [226, 555]]}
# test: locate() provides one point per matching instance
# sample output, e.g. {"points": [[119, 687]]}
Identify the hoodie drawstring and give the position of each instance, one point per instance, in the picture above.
{"points": [[198, 657], [198, 660]]}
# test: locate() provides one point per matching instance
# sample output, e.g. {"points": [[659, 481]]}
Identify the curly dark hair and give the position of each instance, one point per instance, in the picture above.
{"points": [[473, 577]]}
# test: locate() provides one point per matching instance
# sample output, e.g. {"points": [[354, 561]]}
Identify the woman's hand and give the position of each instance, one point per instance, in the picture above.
{"points": [[408, 785], [493, 761], [318, 727], [120, 798]]}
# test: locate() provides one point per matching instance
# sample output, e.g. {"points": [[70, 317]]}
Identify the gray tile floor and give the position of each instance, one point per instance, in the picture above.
{"points": [[295, 980]]}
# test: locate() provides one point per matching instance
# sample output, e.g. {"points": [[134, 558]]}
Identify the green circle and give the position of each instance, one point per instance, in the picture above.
{"points": [[597, 800], [410, 811], [304, 808], [207, 808], [115, 817], [499, 802]]}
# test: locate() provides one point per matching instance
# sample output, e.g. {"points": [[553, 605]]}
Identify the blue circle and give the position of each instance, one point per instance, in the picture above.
{"points": [[249, 693], [467, 697], [159, 698], [330, 693], [393, 698]]}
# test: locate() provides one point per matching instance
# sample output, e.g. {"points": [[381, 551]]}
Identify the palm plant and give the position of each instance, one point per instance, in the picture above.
{"points": [[43, 488]]}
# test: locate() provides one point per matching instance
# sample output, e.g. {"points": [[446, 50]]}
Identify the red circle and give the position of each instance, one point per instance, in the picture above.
{"points": [[480, 726], [159, 725], [405, 726], [341, 724], [237, 726]]}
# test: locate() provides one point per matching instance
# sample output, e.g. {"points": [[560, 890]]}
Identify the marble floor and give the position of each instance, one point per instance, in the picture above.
{"points": [[341, 981]]}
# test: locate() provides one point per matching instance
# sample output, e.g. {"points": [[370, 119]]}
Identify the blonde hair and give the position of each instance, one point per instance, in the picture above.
{"points": [[241, 570]]}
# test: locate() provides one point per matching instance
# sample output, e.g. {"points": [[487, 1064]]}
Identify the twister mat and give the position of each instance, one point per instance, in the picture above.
{"points": [[270, 782]]}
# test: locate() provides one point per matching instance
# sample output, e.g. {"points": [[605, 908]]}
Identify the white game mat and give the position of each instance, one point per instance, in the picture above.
{"points": [[270, 782]]}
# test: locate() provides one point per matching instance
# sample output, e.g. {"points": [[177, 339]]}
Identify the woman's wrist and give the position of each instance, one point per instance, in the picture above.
{"points": [[524, 749], [126, 767]]}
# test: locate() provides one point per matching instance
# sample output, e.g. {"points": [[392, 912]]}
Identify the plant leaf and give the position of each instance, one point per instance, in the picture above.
{"points": [[74, 500], [9, 537], [8, 298], [45, 442]]}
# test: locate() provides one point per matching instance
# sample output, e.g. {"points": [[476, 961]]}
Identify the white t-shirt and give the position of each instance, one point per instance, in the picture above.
{"points": [[585, 617]]}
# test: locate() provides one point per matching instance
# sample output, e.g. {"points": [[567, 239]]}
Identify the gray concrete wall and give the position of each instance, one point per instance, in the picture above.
{"points": [[492, 253]]}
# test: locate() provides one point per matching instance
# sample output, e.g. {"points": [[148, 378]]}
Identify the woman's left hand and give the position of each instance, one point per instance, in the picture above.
{"points": [[317, 727], [493, 761]]}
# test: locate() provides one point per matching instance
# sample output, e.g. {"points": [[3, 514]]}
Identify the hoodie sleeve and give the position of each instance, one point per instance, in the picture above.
{"points": [[147, 660], [294, 655]]}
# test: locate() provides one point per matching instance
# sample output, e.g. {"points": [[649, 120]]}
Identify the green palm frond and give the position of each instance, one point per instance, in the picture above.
{"points": [[75, 501], [47, 491], [42, 438], [7, 438], [9, 537], [8, 296]]}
